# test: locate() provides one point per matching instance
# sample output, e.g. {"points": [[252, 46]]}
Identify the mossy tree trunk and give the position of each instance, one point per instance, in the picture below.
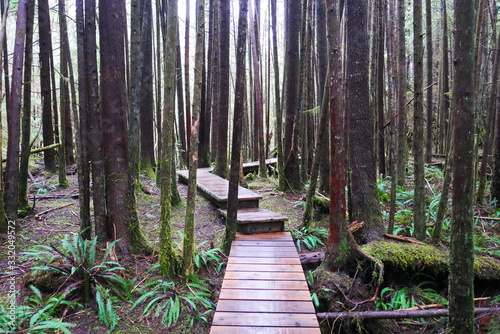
{"points": [[120, 194], [239, 107], [63, 96], [401, 96], [82, 126], [26, 117], [14, 116], [103, 230], [3, 218], [168, 258], [364, 200], [340, 244], [418, 123], [188, 244], [461, 280]]}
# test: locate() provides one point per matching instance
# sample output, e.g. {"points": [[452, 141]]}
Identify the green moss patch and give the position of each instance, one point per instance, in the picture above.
{"points": [[417, 258]]}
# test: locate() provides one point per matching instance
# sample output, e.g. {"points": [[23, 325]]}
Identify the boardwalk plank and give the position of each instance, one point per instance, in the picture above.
{"points": [[264, 276], [264, 260], [264, 267], [265, 319], [243, 294], [267, 307], [262, 330], [264, 285]]}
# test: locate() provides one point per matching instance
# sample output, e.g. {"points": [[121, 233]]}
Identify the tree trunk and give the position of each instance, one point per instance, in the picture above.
{"points": [[239, 110], [14, 116], [430, 102], [380, 87], [45, 42], [223, 102], [401, 96], [120, 195], [258, 94], [82, 128], [147, 160], [340, 245], [363, 199], [26, 120], [188, 244], [277, 98], [64, 97], [167, 256], [321, 45], [418, 123], [291, 179], [461, 280], [189, 120], [103, 230], [4, 224], [445, 90]]}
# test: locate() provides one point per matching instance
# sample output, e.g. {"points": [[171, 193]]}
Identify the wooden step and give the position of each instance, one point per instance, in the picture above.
{"points": [[216, 188], [258, 220]]}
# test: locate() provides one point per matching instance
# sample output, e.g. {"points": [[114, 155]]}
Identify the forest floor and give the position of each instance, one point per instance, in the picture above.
{"points": [[44, 227]]}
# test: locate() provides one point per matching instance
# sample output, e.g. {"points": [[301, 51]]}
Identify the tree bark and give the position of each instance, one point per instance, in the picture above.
{"points": [[401, 96], [120, 195], [360, 119], [26, 116], [45, 42], [418, 123], [461, 280], [167, 256], [103, 230], [14, 115], [239, 108], [291, 180], [188, 244], [429, 96], [223, 101], [82, 128]]}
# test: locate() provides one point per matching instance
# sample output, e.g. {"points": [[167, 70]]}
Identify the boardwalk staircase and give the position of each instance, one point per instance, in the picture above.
{"points": [[264, 289]]}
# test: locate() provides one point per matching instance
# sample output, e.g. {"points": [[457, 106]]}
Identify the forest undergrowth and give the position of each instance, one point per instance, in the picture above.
{"points": [[66, 284]]}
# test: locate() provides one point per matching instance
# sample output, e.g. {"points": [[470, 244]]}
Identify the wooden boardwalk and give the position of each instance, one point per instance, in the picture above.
{"points": [[264, 289]]}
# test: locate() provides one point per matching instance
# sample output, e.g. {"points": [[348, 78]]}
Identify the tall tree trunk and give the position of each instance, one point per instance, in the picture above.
{"points": [[63, 95], [83, 127], [321, 44], [418, 124], [430, 102], [445, 78], [277, 101], [147, 160], [167, 256], [360, 119], [120, 195], [103, 230], [4, 225], [258, 93], [26, 120], [189, 120], [340, 245], [491, 108], [380, 87], [45, 42], [239, 109], [222, 115], [291, 179], [14, 115], [188, 244], [461, 281], [401, 95]]}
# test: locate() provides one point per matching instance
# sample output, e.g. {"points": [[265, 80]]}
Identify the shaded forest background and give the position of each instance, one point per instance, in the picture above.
{"points": [[350, 96]]}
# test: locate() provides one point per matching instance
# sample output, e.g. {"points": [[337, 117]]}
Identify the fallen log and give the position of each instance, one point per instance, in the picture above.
{"points": [[398, 314], [41, 149], [39, 215], [311, 261]]}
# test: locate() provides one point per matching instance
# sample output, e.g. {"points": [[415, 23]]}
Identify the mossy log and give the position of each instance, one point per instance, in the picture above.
{"points": [[428, 258]]}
